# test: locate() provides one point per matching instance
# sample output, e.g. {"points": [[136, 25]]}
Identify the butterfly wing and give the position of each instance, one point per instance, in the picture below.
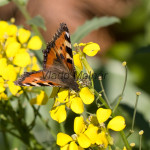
{"points": [[57, 61], [59, 49], [34, 79]]}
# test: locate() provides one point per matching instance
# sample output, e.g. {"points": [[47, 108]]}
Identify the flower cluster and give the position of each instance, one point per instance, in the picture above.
{"points": [[71, 99], [15, 58], [92, 132], [74, 101]]}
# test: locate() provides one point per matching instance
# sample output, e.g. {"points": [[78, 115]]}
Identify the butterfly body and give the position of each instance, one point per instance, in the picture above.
{"points": [[58, 67]]}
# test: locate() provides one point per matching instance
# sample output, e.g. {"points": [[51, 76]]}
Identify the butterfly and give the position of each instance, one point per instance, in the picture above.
{"points": [[58, 66]]}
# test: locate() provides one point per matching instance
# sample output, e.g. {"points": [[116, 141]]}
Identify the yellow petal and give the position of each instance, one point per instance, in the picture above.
{"points": [[73, 146], [91, 49], [10, 73], [117, 123], [82, 44], [66, 147], [22, 59], [77, 61], [12, 30], [84, 141], [35, 43], [77, 105], [41, 99], [3, 65], [2, 89], [13, 88], [102, 140], [62, 95], [23, 35], [92, 132], [79, 125], [59, 113], [3, 29], [3, 96], [63, 139], [103, 114], [12, 49], [86, 95], [124, 148], [10, 40]]}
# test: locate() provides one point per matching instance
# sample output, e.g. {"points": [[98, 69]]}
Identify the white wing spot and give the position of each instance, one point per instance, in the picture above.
{"points": [[67, 34]]}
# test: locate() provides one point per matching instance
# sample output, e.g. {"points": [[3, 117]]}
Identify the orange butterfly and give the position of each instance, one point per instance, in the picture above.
{"points": [[58, 67]]}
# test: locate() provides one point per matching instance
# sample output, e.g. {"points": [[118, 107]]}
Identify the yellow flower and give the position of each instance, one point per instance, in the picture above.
{"points": [[23, 35], [3, 65], [35, 66], [22, 59], [63, 95], [86, 95], [79, 125], [117, 123], [102, 140], [84, 141], [35, 43], [3, 29], [91, 49], [12, 30], [41, 99], [84, 137], [12, 48], [103, 114], [9, 40], [13, 88], [92, 133], [10, 73], [77, 105], [77, 61], [58, 113], [73, 146], [63, 139], [124, 148], [2, 89], [82, 44]]}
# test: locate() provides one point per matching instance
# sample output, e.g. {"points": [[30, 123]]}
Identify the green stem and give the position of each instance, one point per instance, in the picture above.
{"points": [[101, 84], [101, 99], [27, 16], [125, 140], [40, 116], [118, 102], [134, 114], [6, 143], [124, 85], [62, 127], [140, 147], [87, 66]]}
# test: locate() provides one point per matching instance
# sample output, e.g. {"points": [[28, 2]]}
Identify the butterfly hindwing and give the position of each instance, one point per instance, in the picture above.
{"points": [[35, 78]]}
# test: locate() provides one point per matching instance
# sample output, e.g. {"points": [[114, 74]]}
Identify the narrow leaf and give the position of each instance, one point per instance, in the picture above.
{"points": [[91, 25], [37, 21]]}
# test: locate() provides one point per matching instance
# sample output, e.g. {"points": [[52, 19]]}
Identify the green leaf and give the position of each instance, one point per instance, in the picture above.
{"points": [[37, 21], [90, 25], [4, 2]]}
